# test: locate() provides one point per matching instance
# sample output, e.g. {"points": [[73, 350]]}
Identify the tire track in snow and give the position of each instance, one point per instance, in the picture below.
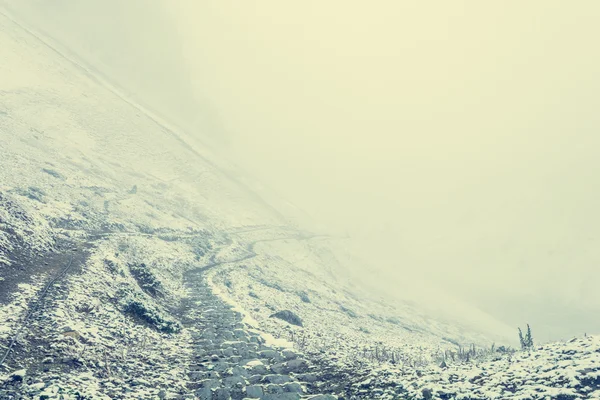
{"points": [[35, 304]]}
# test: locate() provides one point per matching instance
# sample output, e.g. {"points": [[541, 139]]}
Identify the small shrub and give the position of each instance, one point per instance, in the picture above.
{"points": [[146, 279], [33, 193], [53, 173], [136, 306], [304, 297], [348, 311], [272, 285], [376, 317], [288, 316], [526, 340]]}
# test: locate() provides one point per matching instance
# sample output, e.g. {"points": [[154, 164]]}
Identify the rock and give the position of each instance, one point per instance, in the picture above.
{"points": [[278, 368], [256, 339], [72, 334], [269, 354], [162, 394], [210, 383], [237, 371], [220, 366], [253, 363], [309, 377], [289, 354], [67, 328], [232, 381], [37, 386], [282, 396], [288, 316], [18, 375], [254, 391], [221, 394], [259, 369], [427, 394], [276, 379], [294, 387], [204, 393], [239, 333], [297, 365], [273, 389], [227, 335]]}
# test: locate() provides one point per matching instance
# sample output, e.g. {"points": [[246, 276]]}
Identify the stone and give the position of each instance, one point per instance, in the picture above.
{"points": [[238, 371], [277, 379], [204, 393], [254, 391], [253, 363], [282, 396], [221, 394], [278, 368], [289, 354], [297, 365], [240, 333], [427, 394], [308, 377], [259, 369], [235, 359], [37, 386], [269, 354], [18, 376], [293, 387], [232, 381], [273, 389], [210, 383], [227, 335]]}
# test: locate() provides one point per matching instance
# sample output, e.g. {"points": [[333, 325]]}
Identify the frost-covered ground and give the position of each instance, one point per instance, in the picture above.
{"points": [[135, 265]]}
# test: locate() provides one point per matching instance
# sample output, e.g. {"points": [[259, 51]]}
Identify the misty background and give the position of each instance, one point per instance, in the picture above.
{"points": [[456, 142]]}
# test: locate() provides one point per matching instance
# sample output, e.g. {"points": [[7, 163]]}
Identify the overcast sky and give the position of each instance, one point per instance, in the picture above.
{"points": [[458, 141]]}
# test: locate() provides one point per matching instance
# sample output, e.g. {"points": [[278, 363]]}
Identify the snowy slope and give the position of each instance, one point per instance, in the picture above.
{"points": [[80, 162], [62, 115]]}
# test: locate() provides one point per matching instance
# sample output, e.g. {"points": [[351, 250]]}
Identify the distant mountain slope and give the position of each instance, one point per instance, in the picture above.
{"points": [[132, 42]]}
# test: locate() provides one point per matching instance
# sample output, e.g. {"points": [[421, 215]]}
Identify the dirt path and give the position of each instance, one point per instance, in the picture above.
{"points": [[57, 266]]}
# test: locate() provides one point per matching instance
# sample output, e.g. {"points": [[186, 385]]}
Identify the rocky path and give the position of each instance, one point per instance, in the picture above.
{"points": [[232, 361]]}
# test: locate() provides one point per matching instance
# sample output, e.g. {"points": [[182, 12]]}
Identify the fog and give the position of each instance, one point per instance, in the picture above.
{"points": [[456, 142]]}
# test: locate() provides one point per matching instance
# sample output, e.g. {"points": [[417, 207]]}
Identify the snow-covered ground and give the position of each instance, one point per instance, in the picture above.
{"points": [[116, 233]]}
